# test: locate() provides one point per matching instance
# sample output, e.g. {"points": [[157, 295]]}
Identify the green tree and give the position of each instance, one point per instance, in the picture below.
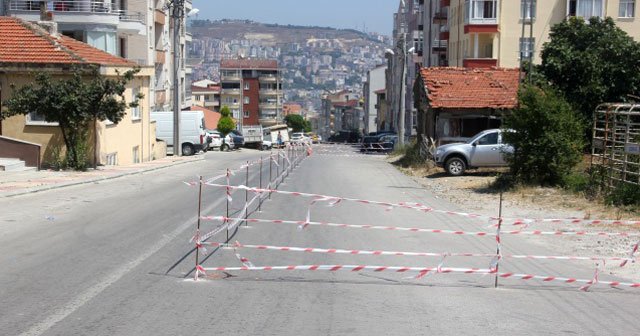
{"points": [[226, 123], [547, 137], [591, 63], [75, 104], [296, 122]]}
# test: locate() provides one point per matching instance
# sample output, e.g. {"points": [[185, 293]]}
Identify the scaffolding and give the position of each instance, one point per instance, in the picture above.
{"points": [[615, 146]]}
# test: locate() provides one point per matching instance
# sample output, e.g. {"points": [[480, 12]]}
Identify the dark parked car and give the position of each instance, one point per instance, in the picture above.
{"points": [[379, 143], [345, 136], [238, 139]]}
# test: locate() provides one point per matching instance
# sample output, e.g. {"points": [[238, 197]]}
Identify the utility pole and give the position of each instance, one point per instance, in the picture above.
{"points": [[177, 13]]}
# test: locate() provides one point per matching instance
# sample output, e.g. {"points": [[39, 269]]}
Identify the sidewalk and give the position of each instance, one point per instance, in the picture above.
{"points": [[24, 182]]}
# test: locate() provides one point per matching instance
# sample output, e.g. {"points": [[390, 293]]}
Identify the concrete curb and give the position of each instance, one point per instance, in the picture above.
{"points": [[95, 179]]}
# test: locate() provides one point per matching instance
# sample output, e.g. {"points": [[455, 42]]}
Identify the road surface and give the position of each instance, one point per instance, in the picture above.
{"points": [[114, 258]]}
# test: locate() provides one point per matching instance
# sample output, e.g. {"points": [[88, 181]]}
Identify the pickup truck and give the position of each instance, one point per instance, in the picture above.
{"points": [[485, 149]]}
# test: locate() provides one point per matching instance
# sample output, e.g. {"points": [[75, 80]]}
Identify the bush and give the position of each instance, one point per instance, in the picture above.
{"points": [[548, 137], [624, 194], [411, 156]]}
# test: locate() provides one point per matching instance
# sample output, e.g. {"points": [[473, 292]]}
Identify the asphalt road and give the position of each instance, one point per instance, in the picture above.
{"points": [[113, 258]]}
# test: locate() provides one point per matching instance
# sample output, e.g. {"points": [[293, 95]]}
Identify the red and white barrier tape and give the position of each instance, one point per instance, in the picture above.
{"points": [[408, 254], [303, 224], [424, 208], [422, 271]]}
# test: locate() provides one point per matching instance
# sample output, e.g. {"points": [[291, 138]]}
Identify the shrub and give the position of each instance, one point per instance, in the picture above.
{"points": [[547, 137], [624, 194]]}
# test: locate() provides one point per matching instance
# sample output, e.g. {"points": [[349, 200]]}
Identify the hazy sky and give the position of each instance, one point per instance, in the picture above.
{"points": [[376, 15]]}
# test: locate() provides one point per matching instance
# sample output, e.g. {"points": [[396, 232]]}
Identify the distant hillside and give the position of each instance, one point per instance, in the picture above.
{"points": [[275, 34]]}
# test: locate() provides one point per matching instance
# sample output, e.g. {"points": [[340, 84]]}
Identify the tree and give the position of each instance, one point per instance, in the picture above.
{"points": [[296, 122], [75, 104], [226, 123], [591, 63], [547, 137]]}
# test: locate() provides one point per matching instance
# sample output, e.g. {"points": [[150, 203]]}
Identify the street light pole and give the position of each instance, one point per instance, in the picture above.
{"points": [[177, 13], [401, 112]]}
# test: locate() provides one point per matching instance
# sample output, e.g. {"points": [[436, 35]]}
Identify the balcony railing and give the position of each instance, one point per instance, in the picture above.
{"points": [[481, 12], [76, 6]]}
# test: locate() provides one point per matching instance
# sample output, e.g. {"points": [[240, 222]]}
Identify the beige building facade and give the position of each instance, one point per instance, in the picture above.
{"points": [[485, 33]]}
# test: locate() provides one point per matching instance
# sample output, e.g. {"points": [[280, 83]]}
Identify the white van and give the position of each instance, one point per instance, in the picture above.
{"points": [[193, 137]]}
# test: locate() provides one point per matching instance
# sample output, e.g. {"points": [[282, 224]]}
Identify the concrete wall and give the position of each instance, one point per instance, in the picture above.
{"points": [[377, 81]]}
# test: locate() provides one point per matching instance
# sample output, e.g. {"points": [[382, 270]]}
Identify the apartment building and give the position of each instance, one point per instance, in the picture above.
{"points": [[485, 33], [375, 81], [252, 89], [138, 30]]}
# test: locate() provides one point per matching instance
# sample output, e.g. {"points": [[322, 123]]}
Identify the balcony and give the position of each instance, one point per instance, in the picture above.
{"points": [[440, 46], [481, 12], [159, 17], [440, 17], [268, 105], [232, 92], [75, 12], [445, 3], [268, 78], [161, 56], [269, 92], [230, 77], [479, 62]]}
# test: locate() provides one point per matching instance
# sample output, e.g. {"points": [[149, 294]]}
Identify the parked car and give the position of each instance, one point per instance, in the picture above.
{"points": [[299, 137], [379, 143], [485, 149], [238, 138], [314, 137], [217, 142]]}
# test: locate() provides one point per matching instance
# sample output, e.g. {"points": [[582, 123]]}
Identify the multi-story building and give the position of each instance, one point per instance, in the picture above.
{"points": [[375, 81], [208, 96], [139, 30], [252, 89], [485, 33]]}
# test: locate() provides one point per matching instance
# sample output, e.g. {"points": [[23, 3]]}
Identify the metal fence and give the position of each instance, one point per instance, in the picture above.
{"points": [[616, 142]]}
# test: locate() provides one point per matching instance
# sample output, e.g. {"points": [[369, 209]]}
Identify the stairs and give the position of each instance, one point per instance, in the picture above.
{"points": [[14, 165]]}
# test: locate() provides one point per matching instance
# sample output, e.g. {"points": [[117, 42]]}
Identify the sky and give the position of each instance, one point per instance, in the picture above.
{"points": [[374, 15]]}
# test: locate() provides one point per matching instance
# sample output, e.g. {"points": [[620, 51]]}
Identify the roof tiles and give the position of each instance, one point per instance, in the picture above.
{"points": [[23, 42], [494, 88]]}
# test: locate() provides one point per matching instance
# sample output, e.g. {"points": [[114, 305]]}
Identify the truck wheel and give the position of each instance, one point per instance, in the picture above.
{"points": [[265, 147], [187, 150], [455, 166]]}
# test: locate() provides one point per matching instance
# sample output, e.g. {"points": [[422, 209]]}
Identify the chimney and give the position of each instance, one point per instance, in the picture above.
{"points": [[51, 27]]}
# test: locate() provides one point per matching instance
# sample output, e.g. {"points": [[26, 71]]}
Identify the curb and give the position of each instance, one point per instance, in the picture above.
{"points": [[95, 179]]}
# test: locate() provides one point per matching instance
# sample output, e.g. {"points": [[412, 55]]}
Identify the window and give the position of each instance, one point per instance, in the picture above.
{"points": [[246, 114], [111, 159], [527, 46], [34, 118], [246, 100], [236, 114], [585, 8], [246, 86], [136, 154], [489, 139], [198, 98], [135, 111], [627, 8], [528, 9]]}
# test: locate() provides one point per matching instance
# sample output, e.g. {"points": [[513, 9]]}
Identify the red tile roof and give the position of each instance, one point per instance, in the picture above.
{"points": [[23, 42], [494, 88], [350, 103], [211, 118], [252, 64], [205, 89], [381, 91]]}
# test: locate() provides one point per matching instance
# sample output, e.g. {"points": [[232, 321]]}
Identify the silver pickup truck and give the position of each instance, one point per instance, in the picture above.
{"points": [[485, 149]]}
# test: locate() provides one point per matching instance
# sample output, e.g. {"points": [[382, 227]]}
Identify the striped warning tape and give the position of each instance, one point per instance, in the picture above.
{"points": [[303, 224], [421, 272], [410, 254]]}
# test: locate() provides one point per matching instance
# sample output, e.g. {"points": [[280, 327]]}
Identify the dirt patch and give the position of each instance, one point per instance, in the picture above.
{"points": [[474, 193]]}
